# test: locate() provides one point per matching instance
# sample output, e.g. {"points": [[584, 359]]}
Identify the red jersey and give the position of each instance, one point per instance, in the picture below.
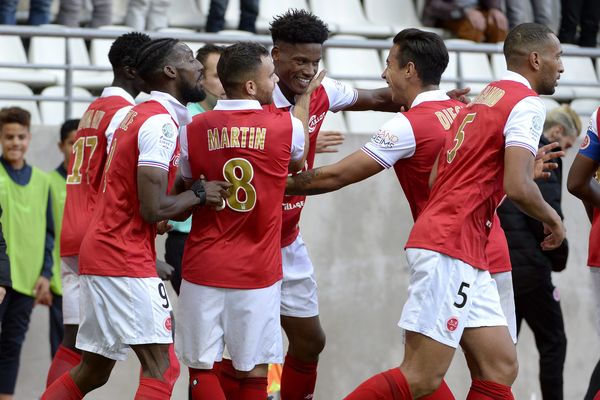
{"points": [[593, 248], [457, 219], [497, 249], [87, 164], [119, 241], [239, 141], [333, 96]]}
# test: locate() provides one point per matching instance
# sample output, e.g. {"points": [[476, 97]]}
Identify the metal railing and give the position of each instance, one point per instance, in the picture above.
{"points": [[378, 44]]}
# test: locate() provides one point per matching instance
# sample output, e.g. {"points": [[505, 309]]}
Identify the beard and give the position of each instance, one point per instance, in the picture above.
{"points": [[192, 94]]}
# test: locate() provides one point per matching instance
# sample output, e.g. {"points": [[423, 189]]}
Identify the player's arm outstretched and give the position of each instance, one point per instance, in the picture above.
{"points": [[354, 168], [522, 190], [381, 99], [156, 205]]}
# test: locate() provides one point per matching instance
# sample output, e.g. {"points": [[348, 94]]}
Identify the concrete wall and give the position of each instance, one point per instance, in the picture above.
{"points": [[355, 238]]}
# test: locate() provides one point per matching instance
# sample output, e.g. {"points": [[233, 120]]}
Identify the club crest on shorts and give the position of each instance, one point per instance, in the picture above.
{"points": [[168, 324], [452, 324]]}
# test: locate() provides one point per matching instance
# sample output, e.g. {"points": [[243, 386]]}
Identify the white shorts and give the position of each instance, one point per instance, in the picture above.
{"points": [[595, 277], [299, 296], [507, 301], [446, 295], [247, 320], [69, 273], [117, 312]]}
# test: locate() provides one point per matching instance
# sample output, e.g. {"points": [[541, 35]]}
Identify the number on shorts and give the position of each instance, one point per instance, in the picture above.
{"points": [[162, 292], [74, 178], [462, 294], [239, 172], [111, 153], [460, 137]]}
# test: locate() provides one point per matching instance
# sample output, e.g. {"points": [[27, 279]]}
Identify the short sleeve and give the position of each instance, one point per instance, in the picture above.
{"points": [[157, 140], [525, 124], [394, 141], [590, 147], [297, 150], [184, 161], [340, 95], [114, 124]]}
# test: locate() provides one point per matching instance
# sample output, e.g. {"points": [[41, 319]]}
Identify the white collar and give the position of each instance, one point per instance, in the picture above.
{"points": [[279, 99], [514, 76], [117, 91], [237, 104], [178, 111], [430, 95]]}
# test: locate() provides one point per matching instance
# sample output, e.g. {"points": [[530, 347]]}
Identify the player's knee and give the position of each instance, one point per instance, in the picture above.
{"points": [[504, 370], [425, 384], [308, 347]]}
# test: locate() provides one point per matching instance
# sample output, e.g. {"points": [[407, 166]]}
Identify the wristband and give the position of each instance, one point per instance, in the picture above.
{"points": [[199, 191]]}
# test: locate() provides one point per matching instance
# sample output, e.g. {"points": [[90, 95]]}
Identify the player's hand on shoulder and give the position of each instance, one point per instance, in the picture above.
{"points": [[164, 270], [459, 94], [327, 141]]}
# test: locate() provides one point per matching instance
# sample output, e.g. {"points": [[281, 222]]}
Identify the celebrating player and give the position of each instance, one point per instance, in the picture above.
{"points": [[126, 303], [230, 293], [90, 150], [451, 297]]}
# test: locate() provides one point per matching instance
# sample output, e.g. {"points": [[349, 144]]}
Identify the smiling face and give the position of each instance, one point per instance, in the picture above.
{"points": [[296, 65], [394, 75], [14, 139]]}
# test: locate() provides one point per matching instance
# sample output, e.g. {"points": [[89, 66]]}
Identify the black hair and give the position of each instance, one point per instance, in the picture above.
{"points": [[523, 39], [67, 127], [426, 50], [209, 48], [153, 56], [237, 62], [17, 115], [124, 49], [298, 26]]}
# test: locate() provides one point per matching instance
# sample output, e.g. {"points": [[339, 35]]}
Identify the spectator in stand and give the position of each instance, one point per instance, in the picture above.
{"points": [[537, 301], [516, 11], [147, 15], [5, 282], [582, 13], [216, 15], [69, 13], [39, 12], [476, 20]]}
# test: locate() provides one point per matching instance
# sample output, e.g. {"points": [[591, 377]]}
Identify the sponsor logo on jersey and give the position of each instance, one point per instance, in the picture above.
{"points": [[314, 120], [452, 324], [291, 206], [175, 159], [168, 324], [586, 142], [168, 131], [384, 138]]}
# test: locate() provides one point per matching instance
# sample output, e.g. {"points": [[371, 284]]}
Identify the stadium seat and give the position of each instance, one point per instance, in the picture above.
{"points": [[334, 122], [99, 48], [473, 67], [20, 89], [343, 63], [585, 107], [186, 14], [270, 8], [450, 74], [397, 14], [578, 70], [549, 103], [12, 51], [53, 112], [348, 17], [366, 122], [52, 50], [192, 45]]}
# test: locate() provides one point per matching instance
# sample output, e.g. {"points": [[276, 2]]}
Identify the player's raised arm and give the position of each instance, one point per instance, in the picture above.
{"points": [[381, 99]]}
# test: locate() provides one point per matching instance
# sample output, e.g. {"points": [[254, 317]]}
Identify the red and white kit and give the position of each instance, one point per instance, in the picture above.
{"points": [[231, 265], [448, 242], [126, 301]]}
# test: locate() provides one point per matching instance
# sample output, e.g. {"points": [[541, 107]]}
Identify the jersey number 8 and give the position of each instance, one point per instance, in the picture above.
{"points": [[239, 172]]}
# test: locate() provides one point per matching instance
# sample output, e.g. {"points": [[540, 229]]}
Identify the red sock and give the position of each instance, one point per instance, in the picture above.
{"points": [[229, 383], [442, 393], [63, 361], [253, 388], [64, 388], [488, 390], [205, 385], [389, 385], [172, 373], [298, 379], [153, 389]]}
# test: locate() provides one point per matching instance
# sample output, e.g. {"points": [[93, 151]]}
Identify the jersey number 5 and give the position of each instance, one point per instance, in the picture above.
{"points": [[74, 178], [460, 137], [239, 172]]}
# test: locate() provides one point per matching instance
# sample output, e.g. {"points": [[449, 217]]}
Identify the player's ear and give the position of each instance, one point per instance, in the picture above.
{"points": [[250, 88], [275, 53], [534, 60], [129, 72], [169, 71]]}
